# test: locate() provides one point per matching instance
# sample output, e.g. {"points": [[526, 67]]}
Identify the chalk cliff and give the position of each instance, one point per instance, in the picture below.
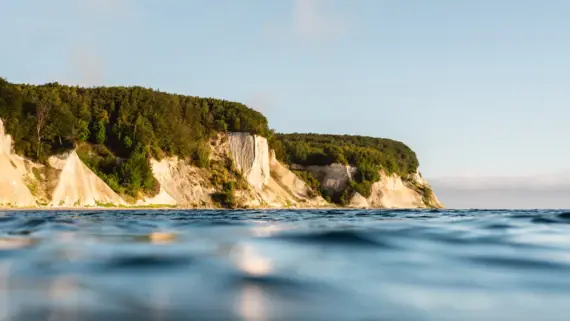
{"points": [[250, 154], [77, 185], [13, 190], [185, 185], [273, 185], [394, 192], [391, 191], [65, 181]]}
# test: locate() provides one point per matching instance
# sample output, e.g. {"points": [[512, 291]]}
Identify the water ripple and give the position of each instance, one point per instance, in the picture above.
{"points": [[260, 265]]}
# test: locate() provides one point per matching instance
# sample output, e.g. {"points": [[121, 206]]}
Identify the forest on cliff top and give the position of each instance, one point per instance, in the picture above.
{"points": [[120, 128]]}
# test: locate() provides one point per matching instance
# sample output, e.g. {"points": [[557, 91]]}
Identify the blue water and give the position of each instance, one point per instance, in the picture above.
{"points": [[285, 265]]}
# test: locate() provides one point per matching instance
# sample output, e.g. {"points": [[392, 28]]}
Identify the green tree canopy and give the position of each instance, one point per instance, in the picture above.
{"points": [[359, 151], [129, 124], [368, 154]]}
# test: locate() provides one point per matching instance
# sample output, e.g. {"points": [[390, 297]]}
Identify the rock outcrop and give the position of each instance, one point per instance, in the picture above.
{"points": [[77, 185], [160, 199], [285, 189], [250, 154], [291, 182], [67, 182], [13, 190], [273, 185], [390, 192], [185, 185], [393, 192]]}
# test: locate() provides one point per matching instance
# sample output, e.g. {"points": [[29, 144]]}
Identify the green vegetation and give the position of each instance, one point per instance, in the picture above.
{"points": [[226, 179], [118, 129], [359, 151], [36, 173], [425, 191], [311, 181], [369, 155]]}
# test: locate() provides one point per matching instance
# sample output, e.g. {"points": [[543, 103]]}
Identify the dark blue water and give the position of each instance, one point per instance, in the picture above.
{"points": [[285, 265]]}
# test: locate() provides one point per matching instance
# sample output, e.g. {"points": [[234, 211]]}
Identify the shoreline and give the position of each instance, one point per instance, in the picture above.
{"points": [[22, 209]]}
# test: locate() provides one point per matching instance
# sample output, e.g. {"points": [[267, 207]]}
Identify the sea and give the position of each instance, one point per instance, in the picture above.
{"points": [[259, 265]]}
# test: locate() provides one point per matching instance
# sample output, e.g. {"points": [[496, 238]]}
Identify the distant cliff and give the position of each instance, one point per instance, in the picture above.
{"points": [[63, 146], [358, 171]]}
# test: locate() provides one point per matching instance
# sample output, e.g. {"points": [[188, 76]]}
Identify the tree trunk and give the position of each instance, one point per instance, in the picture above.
{"points": [[39, 147], [42, 113]]}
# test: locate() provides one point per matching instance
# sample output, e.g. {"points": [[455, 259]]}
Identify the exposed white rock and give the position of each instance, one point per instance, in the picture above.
{"points": [[13, 190], [250, 154], [358, 201], [78, 186], [297, 187], [162, 198], [184, 183], [285, 188], [391, 192], [67, 182], [273, 185]]}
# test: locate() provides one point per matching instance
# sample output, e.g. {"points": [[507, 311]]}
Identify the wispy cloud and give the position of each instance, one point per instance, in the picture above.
{"points": [[312, 20]]}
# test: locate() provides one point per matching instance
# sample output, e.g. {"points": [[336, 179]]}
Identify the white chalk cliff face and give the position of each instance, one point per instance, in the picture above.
{"points": [[250, 154], [390, 192], [13, 190], [67, 182], [181, 183], [273, 184], [77, 185]]}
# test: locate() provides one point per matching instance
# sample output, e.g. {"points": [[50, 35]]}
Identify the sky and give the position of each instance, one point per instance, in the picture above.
{"points": [[476, 88]]}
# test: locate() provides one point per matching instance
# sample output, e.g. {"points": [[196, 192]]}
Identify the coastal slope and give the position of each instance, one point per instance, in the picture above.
{"points": [[13, 190], [64, 146]]}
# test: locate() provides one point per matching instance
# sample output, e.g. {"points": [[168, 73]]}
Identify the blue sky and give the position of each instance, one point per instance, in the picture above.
{"points": [[477, 88]]}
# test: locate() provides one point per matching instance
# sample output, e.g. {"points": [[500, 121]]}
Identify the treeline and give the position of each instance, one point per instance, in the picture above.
{"points": [[128, 125], [359, 151], [368, 154]]}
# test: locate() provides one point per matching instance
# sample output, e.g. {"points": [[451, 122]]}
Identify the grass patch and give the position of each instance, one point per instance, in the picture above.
{"points": [[106, 205], [32, 186], [152, 206], [36, 173]]}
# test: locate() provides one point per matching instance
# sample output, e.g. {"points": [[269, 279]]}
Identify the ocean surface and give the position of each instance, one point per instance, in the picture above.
{"points": [[259, 265]]}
